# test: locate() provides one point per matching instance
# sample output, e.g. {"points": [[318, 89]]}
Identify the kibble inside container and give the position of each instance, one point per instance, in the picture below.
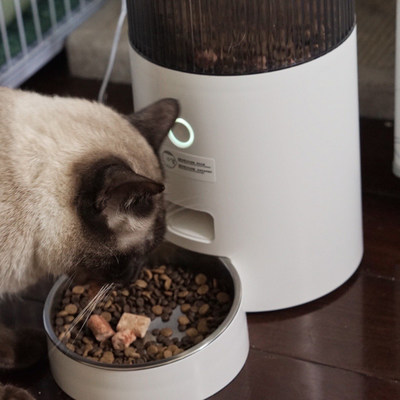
{"points": [[224, 37]]}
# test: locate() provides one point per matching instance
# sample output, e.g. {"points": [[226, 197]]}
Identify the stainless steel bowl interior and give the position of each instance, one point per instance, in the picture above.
{"points": [[215, 267]]}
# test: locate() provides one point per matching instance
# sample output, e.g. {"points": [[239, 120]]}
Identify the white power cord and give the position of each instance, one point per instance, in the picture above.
{"points": [[113, 52]]}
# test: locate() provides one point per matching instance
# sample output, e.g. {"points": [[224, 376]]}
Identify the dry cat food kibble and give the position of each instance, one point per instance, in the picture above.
{"points": [[238, 37], [163, 313]]}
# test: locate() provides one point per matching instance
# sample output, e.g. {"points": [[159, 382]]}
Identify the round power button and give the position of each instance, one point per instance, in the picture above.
{"points": [[181, 135]]}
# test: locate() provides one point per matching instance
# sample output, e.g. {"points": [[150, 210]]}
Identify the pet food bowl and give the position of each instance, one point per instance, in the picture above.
{"points": [[196, 373]]}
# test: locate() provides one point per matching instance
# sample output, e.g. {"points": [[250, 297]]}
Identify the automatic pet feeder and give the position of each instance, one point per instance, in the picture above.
{"points": [[262, 167], [263, 164]]}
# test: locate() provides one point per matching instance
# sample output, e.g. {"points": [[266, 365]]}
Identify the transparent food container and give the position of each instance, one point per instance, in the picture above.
{"points": [[224, 37]]}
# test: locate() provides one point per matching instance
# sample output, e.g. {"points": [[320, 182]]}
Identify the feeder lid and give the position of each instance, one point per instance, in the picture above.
{"points": [[225, 37]]}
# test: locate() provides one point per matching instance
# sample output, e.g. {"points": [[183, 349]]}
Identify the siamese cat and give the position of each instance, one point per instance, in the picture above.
{"points": [[81, 193]]}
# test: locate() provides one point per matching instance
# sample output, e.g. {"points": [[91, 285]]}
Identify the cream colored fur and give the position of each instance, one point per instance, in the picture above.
{"points": [[41, 138]]}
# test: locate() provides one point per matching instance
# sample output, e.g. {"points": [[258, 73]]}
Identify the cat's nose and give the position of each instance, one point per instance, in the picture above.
{"points": [[130, 272], [124, 276]]}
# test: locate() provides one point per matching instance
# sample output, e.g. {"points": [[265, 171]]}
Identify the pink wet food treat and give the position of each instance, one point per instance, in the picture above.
{"points": [[100, 328], [122, 339], [136, 323]]}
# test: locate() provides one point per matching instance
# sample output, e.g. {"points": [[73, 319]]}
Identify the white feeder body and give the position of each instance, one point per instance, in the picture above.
{"points": [[271, 179]]}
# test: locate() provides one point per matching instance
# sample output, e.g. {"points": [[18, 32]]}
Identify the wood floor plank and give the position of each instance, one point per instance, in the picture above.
{"points": [[354, 328], [377, 146], [382, 236], [268, 376], [38, 381], [264, 376]]}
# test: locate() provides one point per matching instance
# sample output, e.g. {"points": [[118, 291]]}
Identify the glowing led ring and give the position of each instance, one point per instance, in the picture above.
{"points": [[176, 141]]}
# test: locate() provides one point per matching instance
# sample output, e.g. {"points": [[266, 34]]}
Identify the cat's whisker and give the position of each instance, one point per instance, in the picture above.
{"points": [[93, 304], [88, 310], [88, 314], [101, 294], [70, 279]]}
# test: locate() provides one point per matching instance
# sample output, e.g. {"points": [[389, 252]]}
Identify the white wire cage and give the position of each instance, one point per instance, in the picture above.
{"points": [[34, 31]]}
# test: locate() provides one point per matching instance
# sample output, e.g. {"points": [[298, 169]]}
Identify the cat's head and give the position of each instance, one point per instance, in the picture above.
{"points": [[119, 199]]}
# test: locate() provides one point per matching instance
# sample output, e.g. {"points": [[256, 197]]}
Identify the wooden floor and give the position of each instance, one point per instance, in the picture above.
{"points": [[345, 345]]}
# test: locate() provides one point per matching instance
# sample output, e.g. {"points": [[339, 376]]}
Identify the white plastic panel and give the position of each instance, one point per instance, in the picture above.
{"points": [[286, 192]]}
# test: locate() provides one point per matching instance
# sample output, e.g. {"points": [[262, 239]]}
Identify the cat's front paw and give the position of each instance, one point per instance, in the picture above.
{"points": [[11, 392], [21, 348]]}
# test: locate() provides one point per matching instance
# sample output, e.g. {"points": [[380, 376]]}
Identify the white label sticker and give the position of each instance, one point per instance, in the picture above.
{"points": [[188, 165]]}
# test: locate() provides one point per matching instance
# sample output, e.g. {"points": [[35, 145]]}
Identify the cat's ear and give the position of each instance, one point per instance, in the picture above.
{"points": [[155, 121], [125, 190]]}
